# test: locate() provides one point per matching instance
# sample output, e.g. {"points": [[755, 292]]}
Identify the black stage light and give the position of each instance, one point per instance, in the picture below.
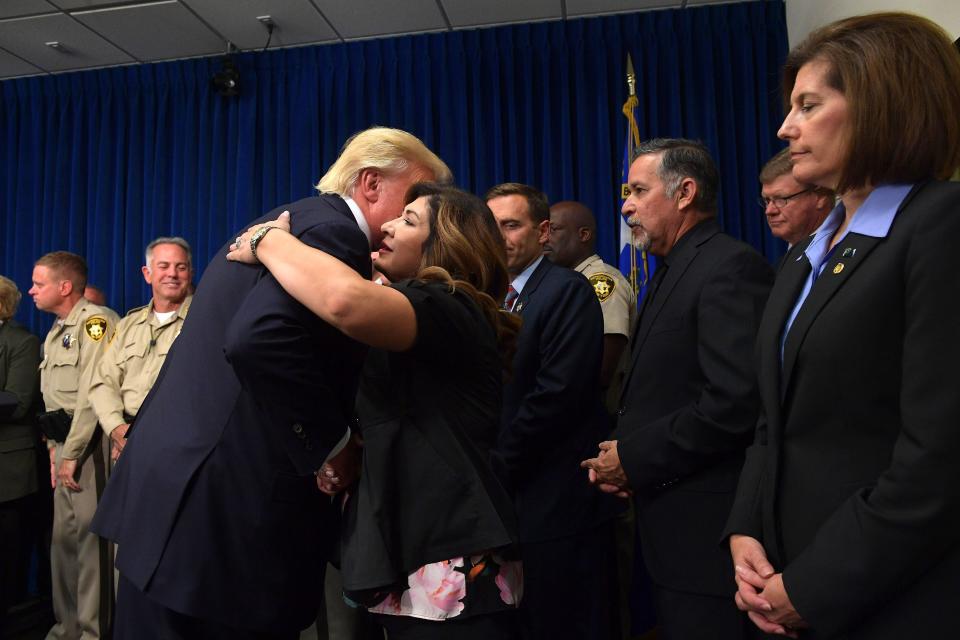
{"points": [[226, 82]]}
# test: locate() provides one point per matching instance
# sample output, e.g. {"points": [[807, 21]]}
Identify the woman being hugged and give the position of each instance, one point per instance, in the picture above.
{"points": [[847, 519], [429, 533]]}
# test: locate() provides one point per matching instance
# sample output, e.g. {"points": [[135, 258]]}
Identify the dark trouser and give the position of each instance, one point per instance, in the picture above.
{"points": [[691, 616], [492, 626], [137, 617], [14, 530], [569, 587]]}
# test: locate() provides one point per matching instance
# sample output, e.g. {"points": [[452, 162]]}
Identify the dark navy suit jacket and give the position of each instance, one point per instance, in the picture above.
{"points": [[552, 414], [214, 504]]}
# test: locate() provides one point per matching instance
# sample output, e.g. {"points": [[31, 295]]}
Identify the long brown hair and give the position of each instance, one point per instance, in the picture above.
{"points": [[465, 250], [900, 74]]}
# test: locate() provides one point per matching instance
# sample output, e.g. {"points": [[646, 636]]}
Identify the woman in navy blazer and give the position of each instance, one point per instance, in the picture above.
{"points": [[847, 518]]}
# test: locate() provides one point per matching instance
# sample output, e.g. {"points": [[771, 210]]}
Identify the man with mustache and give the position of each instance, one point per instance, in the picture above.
{"points": [[689, 403]]}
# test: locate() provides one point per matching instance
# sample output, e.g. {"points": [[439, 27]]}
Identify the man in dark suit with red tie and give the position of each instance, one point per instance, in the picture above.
{"points": [[220, 526], [552, 416], [689, 403]]}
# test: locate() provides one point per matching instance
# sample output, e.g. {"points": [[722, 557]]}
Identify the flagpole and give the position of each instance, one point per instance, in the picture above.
{"points": [[633, 141]]}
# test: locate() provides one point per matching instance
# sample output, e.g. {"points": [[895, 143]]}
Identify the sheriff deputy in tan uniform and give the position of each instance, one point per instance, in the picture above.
{"points": [[572, 243], [82, 601], [133, 358]]}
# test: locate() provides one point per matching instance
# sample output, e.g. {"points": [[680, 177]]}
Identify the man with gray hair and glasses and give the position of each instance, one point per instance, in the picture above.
{"points": [[133, 358], [793, 210]]}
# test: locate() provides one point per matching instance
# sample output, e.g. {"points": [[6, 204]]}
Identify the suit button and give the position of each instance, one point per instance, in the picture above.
{"points": [[308, 446], [297, 427], [621, 411]]}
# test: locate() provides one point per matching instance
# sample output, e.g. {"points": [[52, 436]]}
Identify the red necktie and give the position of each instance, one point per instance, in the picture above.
{"points": [[511, 298]]}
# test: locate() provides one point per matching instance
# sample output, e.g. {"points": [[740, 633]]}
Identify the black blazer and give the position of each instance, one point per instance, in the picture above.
{"points": [[552, 415], [214, 503], [429, 418], [853, 484], [689, 405], [19, 402]]}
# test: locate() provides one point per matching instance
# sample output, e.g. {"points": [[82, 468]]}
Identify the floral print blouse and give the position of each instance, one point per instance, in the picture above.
{"points": [[461, 587]]}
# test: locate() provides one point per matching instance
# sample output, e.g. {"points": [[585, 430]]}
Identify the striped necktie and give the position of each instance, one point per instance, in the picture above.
{"points": [[511, 298]]}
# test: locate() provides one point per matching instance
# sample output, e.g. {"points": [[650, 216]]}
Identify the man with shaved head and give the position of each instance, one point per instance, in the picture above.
{"points": [[572, 243]]}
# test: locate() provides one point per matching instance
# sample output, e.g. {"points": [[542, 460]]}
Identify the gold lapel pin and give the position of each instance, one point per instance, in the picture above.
{"points": [[838, 268]]}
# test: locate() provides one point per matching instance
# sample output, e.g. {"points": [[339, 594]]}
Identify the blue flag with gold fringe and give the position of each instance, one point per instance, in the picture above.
{"points": [[636, 265]]}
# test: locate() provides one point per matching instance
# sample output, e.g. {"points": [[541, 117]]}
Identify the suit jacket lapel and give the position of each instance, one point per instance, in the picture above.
{"points": [[677, 266], [846, 258], [789, 283], [531, 285]]}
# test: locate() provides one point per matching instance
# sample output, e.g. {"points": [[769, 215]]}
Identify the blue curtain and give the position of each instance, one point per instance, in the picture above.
{"points": [[100, 162]]}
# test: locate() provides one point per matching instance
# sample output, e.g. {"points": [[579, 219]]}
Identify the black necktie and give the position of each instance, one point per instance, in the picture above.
{"points": [[652, 289]]}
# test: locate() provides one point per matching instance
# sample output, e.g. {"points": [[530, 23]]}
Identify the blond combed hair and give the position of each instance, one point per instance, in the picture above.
{"points": [[390, 151], [9, 298]]}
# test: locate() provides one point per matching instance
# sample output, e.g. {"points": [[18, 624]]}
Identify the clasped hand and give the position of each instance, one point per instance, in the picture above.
{"points": [[760, 591], [343, 469], [240, 247], [605, 471]]}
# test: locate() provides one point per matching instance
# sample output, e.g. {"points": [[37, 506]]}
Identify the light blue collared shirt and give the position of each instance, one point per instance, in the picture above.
{"points": [[521, 279], [874, 218]]}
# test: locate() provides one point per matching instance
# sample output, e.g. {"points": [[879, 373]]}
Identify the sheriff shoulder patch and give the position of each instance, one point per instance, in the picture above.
{"points": [[603, 285], [96, 327]]}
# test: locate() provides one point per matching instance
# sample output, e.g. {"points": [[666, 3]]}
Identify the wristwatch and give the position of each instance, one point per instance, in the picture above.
{"points": [[256, 238]]}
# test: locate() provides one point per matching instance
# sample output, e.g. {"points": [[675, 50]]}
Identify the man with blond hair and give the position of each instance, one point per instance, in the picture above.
{"points": [[220, 526], [79, 559]]}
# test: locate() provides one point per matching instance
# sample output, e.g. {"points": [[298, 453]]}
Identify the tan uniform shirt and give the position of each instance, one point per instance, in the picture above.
{"points": [[71, 352], [131, 363], [619, 306], [617, 300]]}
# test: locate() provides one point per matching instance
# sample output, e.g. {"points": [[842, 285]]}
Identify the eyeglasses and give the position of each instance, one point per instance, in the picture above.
{"points": [[778, 201]]}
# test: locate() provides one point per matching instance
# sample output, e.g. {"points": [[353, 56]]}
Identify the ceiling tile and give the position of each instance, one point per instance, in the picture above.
{"points": [[79, 5], [155, 31], [597, 7], [11, 65], [82, 48], [366, 18], [468, 13], [14, 8], [297, 22]]}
